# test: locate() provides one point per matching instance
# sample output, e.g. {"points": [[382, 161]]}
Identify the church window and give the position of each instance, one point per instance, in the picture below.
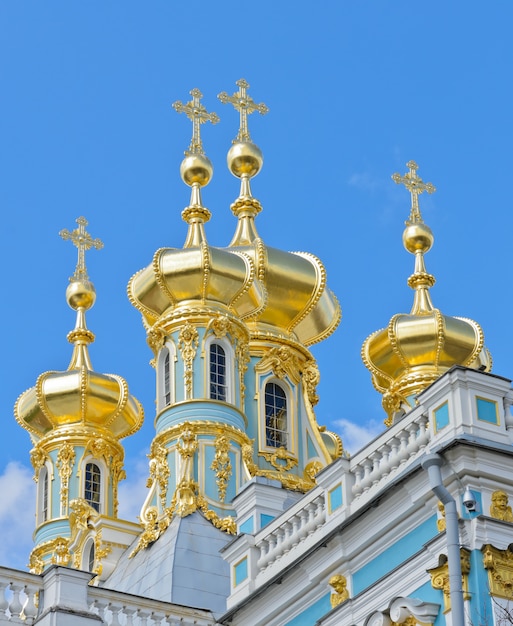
{"points": [[165, 376], [44, 495], [275, 416], [167, 379], [92, 486], [90, 557], [218, 387]]}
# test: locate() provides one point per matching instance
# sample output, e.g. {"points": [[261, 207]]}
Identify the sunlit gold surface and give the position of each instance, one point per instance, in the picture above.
{"points": [[79, 396], [499, 564], [416, 348]]}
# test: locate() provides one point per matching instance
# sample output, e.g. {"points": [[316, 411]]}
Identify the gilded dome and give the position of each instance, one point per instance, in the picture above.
{"points": [[416, 348], [79, 396], [275, 292]]}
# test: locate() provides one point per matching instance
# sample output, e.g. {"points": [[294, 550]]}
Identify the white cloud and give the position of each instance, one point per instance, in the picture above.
{"points": [[133, 490], [17, 515], [355, 436]]}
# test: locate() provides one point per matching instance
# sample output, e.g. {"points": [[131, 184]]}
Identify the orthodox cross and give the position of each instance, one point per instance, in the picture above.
{"points": [[245, 105], [83, 241], [415, 186], [196, 112]]}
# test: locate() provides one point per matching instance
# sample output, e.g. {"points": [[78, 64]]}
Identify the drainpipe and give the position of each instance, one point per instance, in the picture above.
{"points": [[432, 463]]}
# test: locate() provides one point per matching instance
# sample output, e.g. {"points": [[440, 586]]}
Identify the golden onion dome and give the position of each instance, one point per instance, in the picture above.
{"points": [[198, 275], [275, 292], [299, 304], [79, 396], [415, 349]]}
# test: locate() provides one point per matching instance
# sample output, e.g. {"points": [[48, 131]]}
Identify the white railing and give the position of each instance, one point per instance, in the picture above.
{"points": [[120, 609], [19, 592], [391, 451], [292, 531]]}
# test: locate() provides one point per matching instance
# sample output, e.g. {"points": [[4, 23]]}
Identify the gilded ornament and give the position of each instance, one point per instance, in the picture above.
{"points": [[188, 341], [499, 508], [65, 462], [81, 513], [38, 458], [440, 577], [282, 361], [198, 114], [340, 592], [311, 470], [101, 550], [221, 464], [245, 106], [82, 240], [185, 494], [499, 564], [117, 474], [155, 339], [159, 471], [61, 554], [226, 524], [221, 326], [415, 186], [152, 530], [98, 447], [311, 378], [288, 480], [36, 563], [280, 458]]}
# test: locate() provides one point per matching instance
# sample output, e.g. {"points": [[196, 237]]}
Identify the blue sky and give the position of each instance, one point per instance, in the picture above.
{"points": [[355, 90]]}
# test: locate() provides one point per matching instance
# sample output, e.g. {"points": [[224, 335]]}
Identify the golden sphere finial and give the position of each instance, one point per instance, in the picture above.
{"points": [[417, 237], [245, 159], [80, 294], [196, 169]]}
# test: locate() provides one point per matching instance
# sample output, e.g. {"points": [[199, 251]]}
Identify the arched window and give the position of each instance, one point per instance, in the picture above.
{"points": [[44, 494], [167, 379], [90, 557], [165, 376], [92, 485], [218, 387], [275, 416]]}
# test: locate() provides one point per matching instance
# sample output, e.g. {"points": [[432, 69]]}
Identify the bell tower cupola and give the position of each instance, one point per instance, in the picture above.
{"points": [[76, 420]]}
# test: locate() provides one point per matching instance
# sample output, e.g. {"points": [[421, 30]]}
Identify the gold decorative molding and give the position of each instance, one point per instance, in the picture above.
{"points": [[55, 551], [440, 577], [153, 528], [499, 507], [340, 592], [499, 564], [288, 480], [280, 458], [282, 361], [188, 341], [80, 516], [38, 458], [311, 378], [221, 464], [65, 461], [159, 471], [117, 474], [185, 493]]}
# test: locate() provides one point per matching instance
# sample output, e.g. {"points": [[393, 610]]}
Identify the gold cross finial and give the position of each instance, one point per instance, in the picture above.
{"points": [[415, 186], [83, 241], [196, 112], [245, 105]]}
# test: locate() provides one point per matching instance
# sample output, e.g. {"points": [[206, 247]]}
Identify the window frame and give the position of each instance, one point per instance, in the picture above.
{"points": [[166, 376], [223, 343]]}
